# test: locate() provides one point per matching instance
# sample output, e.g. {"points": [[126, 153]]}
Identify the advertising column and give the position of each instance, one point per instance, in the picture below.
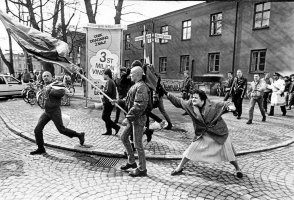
{"points": [[104, 44]]}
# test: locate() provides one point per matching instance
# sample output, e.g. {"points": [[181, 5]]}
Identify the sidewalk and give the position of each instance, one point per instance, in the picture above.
{"points": [[22, 118]]}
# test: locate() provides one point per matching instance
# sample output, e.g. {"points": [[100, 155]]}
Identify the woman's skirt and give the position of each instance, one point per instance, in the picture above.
{"points": [[205, 149]]}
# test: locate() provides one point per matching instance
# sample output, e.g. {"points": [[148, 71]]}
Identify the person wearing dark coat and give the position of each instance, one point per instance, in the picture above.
{"points": [[54, 93], [238, 91], [123, 84], [109, 90]]}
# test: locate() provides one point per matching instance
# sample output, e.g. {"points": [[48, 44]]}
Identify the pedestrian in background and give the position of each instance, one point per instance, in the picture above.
{"points": [[158, 102], [291, 92], [230, 81], [267, 92], [238, 91], [212, 142], [287, 87], [109, 90], [278, 98], [26, 76], [54, 93], [136, 103], [255, 94], [186, 85], [123, 85]]}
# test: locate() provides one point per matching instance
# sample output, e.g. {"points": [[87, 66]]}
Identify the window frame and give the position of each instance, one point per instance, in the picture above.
{"points": [[125, 62], [160, 66], [208, 63], [182, 69], [262, 12], [258, 62], [210, 33], [163, 41], [186, 28], [128, 41]]}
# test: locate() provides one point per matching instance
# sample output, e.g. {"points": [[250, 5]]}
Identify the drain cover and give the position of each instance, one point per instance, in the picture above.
{"points": [[107, 162]]}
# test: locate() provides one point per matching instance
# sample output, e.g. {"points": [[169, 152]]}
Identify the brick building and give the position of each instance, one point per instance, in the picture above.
{"points": [[213, 38]]}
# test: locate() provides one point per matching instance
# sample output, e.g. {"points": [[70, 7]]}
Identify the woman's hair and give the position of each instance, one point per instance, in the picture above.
{"points": [[201, 93]]}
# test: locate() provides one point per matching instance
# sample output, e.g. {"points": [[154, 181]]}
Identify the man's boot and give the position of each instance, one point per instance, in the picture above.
{"points": [[283, 108], [271, 113]]}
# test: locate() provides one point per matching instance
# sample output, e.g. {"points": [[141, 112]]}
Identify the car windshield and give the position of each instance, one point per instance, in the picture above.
{"points": [[11, 80]]}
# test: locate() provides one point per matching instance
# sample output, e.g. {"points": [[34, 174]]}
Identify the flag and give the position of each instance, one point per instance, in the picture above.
{"points": [[35, 42]]}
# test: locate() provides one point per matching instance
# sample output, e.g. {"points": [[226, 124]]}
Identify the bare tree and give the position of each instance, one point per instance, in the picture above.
{"points": [[118, 9]]}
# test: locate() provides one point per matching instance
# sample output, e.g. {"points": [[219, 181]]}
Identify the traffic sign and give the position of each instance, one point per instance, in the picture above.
{"points": [[139, 38], [166, 37]]}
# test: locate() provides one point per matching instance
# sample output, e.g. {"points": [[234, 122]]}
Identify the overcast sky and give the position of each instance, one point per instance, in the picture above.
{"points": [[106, 13]]}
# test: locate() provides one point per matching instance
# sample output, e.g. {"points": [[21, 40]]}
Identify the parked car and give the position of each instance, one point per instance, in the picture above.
{"points": [[10, 86]]}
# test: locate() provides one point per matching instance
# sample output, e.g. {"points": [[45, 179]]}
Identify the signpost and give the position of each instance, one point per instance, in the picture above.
{"points": [[151, 38]]}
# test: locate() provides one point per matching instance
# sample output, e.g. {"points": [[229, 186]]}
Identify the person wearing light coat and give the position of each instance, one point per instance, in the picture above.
{"points": [[277, 99], [212, 142]]}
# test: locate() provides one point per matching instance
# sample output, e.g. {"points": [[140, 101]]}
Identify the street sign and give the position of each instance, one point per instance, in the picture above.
{"points": [[166, 37], [159, 36], [139, 38], [148, 36]]}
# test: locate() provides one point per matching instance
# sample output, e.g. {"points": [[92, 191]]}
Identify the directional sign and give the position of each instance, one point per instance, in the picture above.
{"points": [[166, 37], [139, 38], [148, 36], [157, 35]]}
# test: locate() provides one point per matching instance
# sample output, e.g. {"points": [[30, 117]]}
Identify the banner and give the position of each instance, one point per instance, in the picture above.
{"points": [[103, 50]]}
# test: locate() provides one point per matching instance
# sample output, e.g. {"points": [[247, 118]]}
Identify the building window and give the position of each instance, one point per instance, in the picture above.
{"points": [[184, 63], [213, 62], [262, 15], [162, 64], [257, 60], [164, 31], [127, 64], [216, 24], [128, 41], [186, 30]]}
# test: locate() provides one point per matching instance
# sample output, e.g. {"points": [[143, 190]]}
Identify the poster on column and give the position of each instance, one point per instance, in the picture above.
{"points": [[104, 44]]}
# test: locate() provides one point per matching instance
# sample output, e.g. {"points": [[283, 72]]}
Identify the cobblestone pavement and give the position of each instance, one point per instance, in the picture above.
{"points": [[22, 117], [68, 175]]}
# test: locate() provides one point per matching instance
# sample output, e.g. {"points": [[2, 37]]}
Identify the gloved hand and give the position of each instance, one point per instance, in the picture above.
{"points": [[161, 89]]}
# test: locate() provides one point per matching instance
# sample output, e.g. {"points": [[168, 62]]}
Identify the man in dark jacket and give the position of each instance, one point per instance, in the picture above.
{"points": [[123, 84], [54, 93], [186, 85], [137, 103], [238, 91], [109, 90]]}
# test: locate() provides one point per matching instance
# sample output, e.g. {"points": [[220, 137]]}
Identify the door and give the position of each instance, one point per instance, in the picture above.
{"points": [[14, 86]]}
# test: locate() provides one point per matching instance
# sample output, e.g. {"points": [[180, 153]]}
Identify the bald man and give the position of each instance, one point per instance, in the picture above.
{"points": [[54, 93], [136, 103]]}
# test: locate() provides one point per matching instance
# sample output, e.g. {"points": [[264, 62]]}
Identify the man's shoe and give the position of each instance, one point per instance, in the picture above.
{"points": [[38, 152], [82, 138], [138, 172], [107, 133], [169, 127], [174, 172], [284, 113], [117, 130], [263, 118], [249, 122], [149, 133], [128, 166], [235, 113], [239, 117], [239, 174]]}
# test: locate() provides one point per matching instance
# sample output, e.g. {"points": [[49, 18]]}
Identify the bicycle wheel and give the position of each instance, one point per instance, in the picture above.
{"points": [[41, 99], [31, 95], [24, 95], [71, 91]]}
